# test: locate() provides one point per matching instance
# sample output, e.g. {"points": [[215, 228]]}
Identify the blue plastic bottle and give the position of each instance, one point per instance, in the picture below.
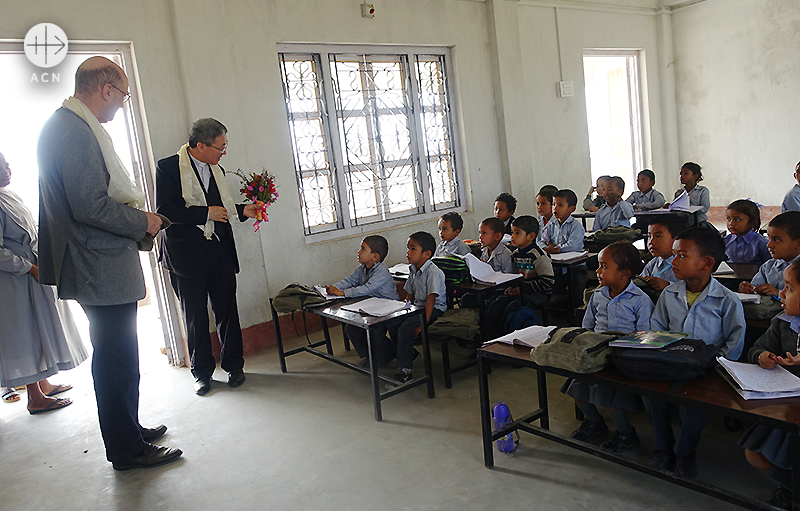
{"points": [[502, 417]]}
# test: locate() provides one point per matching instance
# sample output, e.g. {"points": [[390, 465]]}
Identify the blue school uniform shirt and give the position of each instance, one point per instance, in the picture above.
{"points": [[627, 312], [542, 224], [647, 201], [499, 260], [699, 196], [791, 202], [568, 237], [454, 246], [750, 248], [716, 317], [428, 279], [654, 268], [375, 281], [607, 216], [771, 273]]}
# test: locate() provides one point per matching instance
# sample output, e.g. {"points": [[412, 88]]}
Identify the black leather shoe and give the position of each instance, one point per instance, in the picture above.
{"points": [[152, 456], [153, 434], [236, 378], [202, 385]]}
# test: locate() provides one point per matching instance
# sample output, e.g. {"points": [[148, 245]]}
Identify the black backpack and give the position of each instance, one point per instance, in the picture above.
{"points": [[681, 360], [454, 268]]}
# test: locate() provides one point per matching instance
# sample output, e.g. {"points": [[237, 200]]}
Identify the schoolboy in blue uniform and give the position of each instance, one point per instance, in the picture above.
{"points": [[617, 305], [766, 448], [493, 251], [370, 278], [646, 197], [784, 247], [615, 211], [565, 234], [504, 207], [425, 288], [662, 232], [744, 244], [704, 309], [450, 225], [791, 202], [544, 210]]}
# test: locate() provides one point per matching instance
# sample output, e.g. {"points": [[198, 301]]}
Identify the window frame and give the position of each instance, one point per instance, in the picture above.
{"points": [[346, 225]]}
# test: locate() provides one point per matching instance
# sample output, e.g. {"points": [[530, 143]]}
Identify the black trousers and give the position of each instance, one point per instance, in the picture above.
{"points": [[115, 369], [219, 286]]}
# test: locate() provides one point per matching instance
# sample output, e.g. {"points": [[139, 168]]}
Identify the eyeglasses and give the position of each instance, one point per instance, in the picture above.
{"points": [[220, 149], [125, 95]]}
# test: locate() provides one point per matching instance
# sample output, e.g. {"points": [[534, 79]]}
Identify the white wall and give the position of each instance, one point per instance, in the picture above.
{"points": [[738, 77]]}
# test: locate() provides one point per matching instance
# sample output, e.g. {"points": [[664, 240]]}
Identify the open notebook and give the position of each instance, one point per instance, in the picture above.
{"points": [[752, 381], [378, 307], [529, 337], [483, 272]]}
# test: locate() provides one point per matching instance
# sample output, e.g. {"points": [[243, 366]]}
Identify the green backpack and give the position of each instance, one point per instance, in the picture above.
{"points": [[576, 349], [294, 297], [459, 323], [454, 268], [615, 233]]}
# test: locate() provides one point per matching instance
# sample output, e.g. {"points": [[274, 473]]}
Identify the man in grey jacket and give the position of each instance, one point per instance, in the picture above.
{"points": [[88, 249]]}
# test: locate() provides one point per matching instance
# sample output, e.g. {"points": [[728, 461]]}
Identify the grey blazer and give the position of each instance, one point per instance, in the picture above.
{"points": [[87, 240]]}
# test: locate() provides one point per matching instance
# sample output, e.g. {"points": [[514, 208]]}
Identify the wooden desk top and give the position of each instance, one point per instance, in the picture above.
{"points": [[711, 390], [584, 214], [741, 272], [334, 311], [575, 260]]}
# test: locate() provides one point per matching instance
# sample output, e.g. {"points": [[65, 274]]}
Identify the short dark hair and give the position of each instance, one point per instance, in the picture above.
{"points": [[206, 131], [604, 177], [456, 222], [378, 245], [625, 256], [748, 208], [425, 240], [795, 266], [789, 222], [566, 193], [508, 200], [495, 224], [671, 223], [708, 241], [88, 81], [695, 168], [548, 191], [649, 174], [526, 223], [618, 182]]}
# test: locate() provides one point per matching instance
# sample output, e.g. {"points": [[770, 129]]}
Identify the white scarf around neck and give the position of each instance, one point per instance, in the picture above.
{"points": [[192, 190], [20, 214], [120, 187]]}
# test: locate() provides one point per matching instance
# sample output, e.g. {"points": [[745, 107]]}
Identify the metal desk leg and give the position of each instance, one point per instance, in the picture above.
{"points": [[373, 375], [327, 333], [486, 414], [426, 350], [278, 339], [346, 339], [541, 383], [448, 376]]}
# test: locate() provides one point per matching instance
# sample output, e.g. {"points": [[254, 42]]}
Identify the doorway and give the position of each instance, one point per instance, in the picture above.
{"points": [[29, 99]]}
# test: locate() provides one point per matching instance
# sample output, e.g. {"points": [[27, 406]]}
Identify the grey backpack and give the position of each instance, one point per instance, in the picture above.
{"points": [[294, 297]]}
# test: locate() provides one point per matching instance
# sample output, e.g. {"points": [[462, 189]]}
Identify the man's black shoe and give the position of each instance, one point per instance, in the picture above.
{"points": [[202, 385], [152, 456], [153, 434], [236, 378]]}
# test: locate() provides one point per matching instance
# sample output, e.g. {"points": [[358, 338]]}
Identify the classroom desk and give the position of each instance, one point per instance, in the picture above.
{"points": [[741, 272], [710, 393], [570, 265], [333, 310], [583, 216], [689, 218]]}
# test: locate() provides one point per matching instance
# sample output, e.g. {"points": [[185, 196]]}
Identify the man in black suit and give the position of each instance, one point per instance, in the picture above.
{"points": [[199, 251]]}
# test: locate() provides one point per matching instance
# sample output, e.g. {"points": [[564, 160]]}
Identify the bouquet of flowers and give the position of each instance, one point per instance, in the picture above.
{"points": [[260, 189]]}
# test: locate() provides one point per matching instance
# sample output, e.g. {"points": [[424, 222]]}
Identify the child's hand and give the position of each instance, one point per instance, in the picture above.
{"points": [[591, 190], [656, 283], [512, 291], [666, 205], [593, 209], [417, 331], [552, 248], [767, 289], [333, 290], [788, 360], [747, 288], [767, 360]]}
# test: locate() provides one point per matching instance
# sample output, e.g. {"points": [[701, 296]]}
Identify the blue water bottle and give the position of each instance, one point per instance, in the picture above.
{"points": [[502, 417]]}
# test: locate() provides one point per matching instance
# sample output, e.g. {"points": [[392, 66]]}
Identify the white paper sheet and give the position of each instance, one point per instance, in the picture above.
{"points": [[483, 272], [530, 337], [324, 293], [754, 377], [751, 298], [378, 307], [567, 256], [724, 269]]}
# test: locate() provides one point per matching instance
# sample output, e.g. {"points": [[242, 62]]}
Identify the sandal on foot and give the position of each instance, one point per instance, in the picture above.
{"points": [[58, 404], [10, 395], [59, 389]]}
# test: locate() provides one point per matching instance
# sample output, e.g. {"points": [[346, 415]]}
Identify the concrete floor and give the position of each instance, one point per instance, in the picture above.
{"points": [[308, 440]]}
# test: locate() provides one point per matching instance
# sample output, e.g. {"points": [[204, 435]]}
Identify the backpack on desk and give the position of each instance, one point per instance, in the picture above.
{"points": [[576, 349], [615, 233], [681, 360], [294, 297], [766, 308], [454, 268]]}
